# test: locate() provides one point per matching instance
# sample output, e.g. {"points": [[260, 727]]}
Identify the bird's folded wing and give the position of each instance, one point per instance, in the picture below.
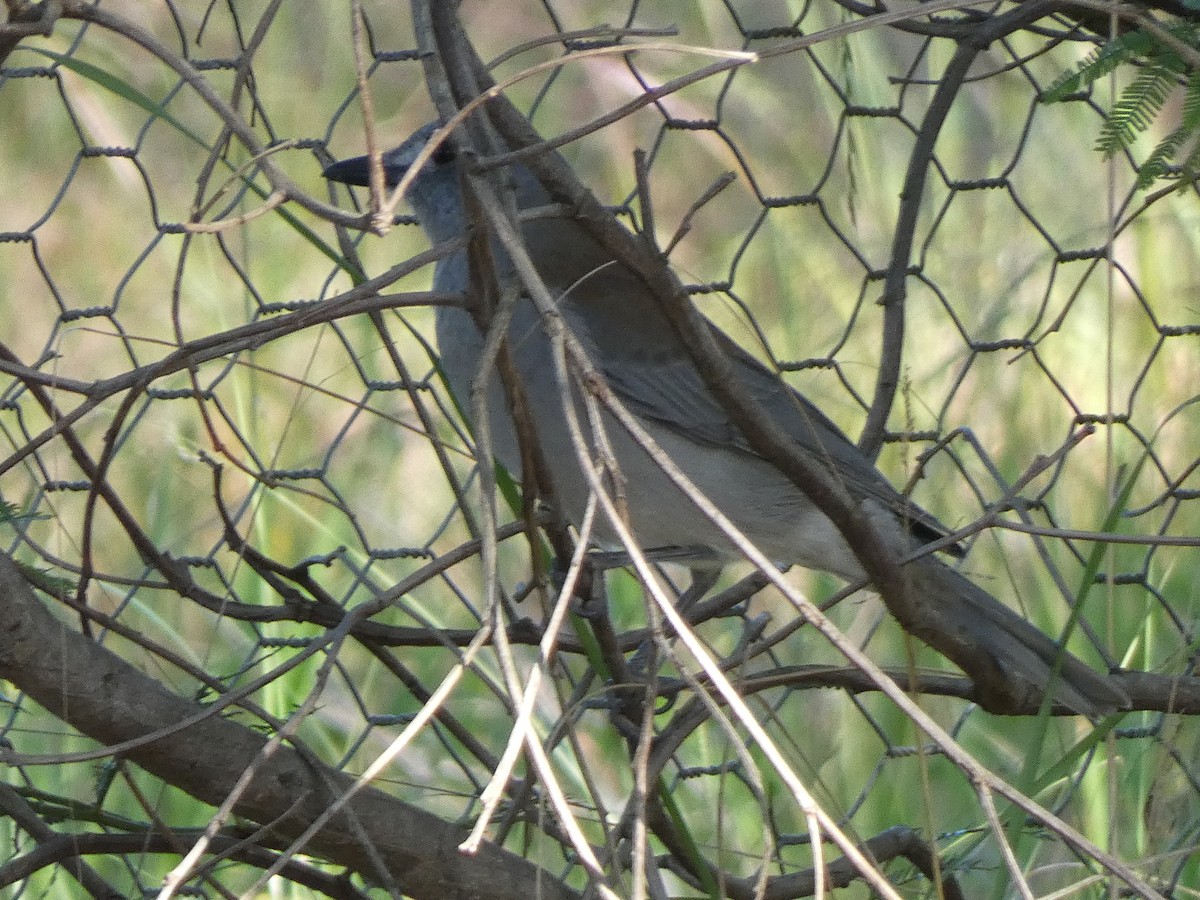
{"points": [[666, 388]]}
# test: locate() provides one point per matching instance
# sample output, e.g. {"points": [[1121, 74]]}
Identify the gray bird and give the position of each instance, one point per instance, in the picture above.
{"points": [[629, 341]]}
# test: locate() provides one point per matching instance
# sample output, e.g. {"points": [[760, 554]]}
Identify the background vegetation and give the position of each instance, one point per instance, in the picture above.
{"points": [[252, 487]]}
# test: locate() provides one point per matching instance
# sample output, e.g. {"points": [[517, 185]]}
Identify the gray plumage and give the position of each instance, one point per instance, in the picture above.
{"points": [[631, 343]]}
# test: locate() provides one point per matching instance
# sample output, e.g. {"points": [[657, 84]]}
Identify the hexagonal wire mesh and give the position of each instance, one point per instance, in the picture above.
{"points": [[234, 465]]}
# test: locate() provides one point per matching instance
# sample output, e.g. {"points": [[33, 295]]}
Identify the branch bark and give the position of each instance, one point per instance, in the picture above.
{"points": [[110, 701]]}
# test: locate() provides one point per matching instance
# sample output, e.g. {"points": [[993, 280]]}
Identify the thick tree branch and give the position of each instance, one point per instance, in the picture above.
{"points": [[110, 701]]}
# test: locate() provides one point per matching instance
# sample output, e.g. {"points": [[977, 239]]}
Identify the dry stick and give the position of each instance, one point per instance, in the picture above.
{"points": [[605, 450], [108, 699], [555, 327], [275, 200], [410, 732], [642, 785], [712, 366], [770, 441], [208, 348], [1006, 850], [582, 34], [1100, 537], [982, 779], [380, 222], [233, 121], [237, 178], [504, 227], [494, 792], [347, 619], [496, 329], [175, 878]]}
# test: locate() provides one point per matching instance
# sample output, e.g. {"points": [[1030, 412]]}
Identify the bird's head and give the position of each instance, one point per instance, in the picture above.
{"points": [[396, 162], [435, 193]]}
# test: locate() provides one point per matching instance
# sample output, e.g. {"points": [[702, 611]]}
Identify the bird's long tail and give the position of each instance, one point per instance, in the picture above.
{"points": [[1013, 663]]}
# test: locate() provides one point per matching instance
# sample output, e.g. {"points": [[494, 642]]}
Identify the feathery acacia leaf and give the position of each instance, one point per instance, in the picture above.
{"points": [[1162, 70]]}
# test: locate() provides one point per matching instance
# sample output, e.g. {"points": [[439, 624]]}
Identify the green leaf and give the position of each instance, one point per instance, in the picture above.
{"points": [[1136, 110], [122, 89]]}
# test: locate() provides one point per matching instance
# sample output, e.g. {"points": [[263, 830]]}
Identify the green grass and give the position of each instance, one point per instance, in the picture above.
{"points": [[302, 403]]}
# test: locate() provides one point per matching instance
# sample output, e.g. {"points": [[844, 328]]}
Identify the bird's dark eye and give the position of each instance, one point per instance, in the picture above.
{"points": [[445, 153]]}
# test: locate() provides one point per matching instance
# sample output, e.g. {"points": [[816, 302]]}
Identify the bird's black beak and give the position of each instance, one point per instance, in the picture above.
{"points": [[356, 171]]}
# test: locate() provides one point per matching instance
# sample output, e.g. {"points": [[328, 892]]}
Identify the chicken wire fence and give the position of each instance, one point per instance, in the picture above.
{"points": [[250, 509]]}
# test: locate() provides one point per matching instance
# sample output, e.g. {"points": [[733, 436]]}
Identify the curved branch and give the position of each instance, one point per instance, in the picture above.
{"points": [[895, 289], [897, 842], [68, 850]]}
